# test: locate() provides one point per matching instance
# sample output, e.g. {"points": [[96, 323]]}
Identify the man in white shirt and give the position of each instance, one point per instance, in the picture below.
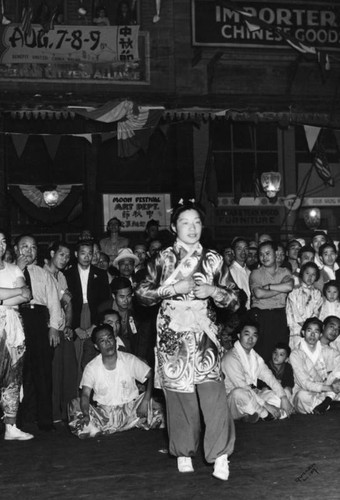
{"points": [[242, 367], [238, 271], [42, 320], [112, 377]]}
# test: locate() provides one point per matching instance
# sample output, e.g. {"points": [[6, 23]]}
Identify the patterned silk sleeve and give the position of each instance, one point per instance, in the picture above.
{"points": [[150, 292], [226, 294]]}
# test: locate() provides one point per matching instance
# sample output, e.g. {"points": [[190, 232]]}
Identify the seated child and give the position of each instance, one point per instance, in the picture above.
{"points": [[118, 406], [316, 371], [242, 367], [303, 302], [281, 368], [331, 300]]}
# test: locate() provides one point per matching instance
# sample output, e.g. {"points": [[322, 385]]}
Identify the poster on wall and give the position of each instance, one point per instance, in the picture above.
{"points": [[135, 210], [73, 52]]}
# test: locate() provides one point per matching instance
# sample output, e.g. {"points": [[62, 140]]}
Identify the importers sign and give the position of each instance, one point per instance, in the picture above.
{"points": [[255, 23]]}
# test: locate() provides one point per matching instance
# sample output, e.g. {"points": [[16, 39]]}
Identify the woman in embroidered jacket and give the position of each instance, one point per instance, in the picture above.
{"points": [[185, 277]]}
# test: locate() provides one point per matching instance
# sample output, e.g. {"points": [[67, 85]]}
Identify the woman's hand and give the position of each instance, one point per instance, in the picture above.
{"points": [[203, 290], [84, 421], [184, 286]]}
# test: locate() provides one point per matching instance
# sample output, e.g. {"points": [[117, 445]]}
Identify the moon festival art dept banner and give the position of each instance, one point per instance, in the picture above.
{"points": [[135, 210], [99, 53], [252, 23]]}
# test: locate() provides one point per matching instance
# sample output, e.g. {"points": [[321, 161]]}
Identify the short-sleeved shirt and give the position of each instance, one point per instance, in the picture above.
{"points": [[261, 277], [118, 386], [9, 276]]}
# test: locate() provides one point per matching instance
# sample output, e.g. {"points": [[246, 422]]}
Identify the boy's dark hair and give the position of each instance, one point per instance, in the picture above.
{"points": [[55, 245], [101, 328], [267, 243], [329, 319], [312, 321], [107, 312], [237, 240], [120, 283], [248, 322], [283, 345], [304, 249], [329, 244], [84, 243], [313, 266], [328, 284]]}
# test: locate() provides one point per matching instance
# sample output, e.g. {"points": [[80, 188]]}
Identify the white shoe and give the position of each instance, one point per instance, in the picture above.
{"points": [[89, 430], [12, 433], [221, 468], [184, 464]]}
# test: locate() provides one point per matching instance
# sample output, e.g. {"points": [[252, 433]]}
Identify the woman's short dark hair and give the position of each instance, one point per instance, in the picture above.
{"points": [[313, 266], [187, 205]]}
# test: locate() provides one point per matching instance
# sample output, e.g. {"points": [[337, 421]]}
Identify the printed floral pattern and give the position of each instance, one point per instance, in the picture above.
{"points": [[188, 354]]}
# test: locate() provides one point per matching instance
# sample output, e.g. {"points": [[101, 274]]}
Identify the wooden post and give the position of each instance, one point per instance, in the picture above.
{"points": [[91, 218]]}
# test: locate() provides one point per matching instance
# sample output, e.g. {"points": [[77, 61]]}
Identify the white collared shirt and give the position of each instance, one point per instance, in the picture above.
{"points": [[241, 277], [84, 279]]}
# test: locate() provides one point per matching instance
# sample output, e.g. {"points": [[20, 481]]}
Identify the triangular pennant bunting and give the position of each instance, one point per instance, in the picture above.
{"points": [[19, 142], [312, 134], [52, 144]]}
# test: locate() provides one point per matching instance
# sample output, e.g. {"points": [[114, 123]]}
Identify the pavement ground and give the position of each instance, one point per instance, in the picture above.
{"points": [[296, 458]]}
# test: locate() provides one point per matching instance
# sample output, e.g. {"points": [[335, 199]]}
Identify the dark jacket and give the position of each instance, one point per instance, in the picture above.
{"points": [[98, 291]]}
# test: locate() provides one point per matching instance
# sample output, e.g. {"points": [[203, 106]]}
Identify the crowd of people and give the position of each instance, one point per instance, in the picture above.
{"points": [[107, 336]]}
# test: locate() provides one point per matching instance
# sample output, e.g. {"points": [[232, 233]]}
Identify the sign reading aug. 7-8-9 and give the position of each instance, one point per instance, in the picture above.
{"points": [[87, 44], [222, 23]]}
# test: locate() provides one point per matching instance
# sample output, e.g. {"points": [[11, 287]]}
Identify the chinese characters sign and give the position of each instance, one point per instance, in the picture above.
{"points": [[99, 53], [135, 210], [69, 44], [252, 23]]}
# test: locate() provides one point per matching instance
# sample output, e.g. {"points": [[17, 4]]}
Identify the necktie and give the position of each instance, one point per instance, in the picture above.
{"points": [[28, 279]]}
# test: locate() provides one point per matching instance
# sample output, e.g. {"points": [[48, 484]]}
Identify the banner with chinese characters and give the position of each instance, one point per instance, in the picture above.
{"points": [[86, 44], [74, 52], [135, 210]]}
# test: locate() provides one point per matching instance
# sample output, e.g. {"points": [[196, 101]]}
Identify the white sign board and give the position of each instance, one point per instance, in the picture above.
{"points": [[135, 210]]}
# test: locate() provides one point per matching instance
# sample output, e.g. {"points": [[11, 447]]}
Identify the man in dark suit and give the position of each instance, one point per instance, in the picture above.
{"points": [[89, 287]]}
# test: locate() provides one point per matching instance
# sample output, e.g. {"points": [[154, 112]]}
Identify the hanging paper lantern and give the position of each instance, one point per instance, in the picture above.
{"points": [[312, 218], [271, 182], [51, 198]]}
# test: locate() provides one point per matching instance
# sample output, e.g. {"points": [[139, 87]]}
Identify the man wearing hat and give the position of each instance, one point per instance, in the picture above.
{"points": [[114, 242], [126, 262]]}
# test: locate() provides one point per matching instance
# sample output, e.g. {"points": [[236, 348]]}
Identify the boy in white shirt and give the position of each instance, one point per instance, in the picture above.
{"points": [[112, 376], [242, 367], [316, 371]]}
